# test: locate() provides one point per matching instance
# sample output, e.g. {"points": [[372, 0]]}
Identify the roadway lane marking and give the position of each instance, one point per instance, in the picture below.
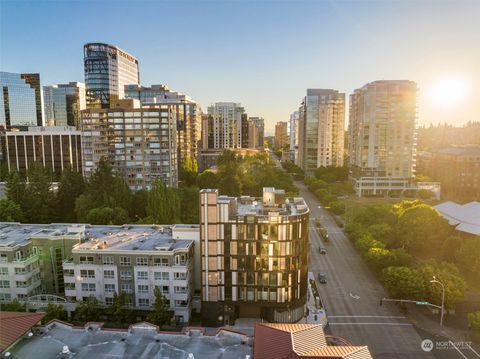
{"points": [[458, 350], [367, 316], [354, 296], [397, 324], [473, 350]]}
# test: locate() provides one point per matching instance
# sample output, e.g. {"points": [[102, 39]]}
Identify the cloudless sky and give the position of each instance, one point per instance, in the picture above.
{"points": [[263, 54]]}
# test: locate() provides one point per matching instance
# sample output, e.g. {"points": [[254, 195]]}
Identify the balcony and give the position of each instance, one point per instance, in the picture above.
{"points": [[23, 277], [27, 260]]}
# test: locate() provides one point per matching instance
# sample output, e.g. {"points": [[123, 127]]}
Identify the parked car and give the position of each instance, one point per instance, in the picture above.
{"points": [[322, 250], [322, 277]]}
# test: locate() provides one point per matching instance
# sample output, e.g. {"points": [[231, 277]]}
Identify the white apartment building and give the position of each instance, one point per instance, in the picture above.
{"points": [[135, 259], [226, 124], [321, 129]]}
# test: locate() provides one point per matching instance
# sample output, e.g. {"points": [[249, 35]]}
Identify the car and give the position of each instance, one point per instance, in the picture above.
{"points": [[322, 250], [322, 277]]}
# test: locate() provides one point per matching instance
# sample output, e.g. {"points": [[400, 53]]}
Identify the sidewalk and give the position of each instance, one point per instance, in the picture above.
{"points": [[456, 335]]}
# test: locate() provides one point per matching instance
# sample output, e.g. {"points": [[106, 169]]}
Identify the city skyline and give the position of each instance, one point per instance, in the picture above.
{"points": [[364, 43]]}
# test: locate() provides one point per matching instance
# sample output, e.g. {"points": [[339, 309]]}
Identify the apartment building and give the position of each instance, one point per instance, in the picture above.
{"points": [[139, 141], [135, 259], [54, 147], [225, 125], [382, 132], [31, 257], [293, 135], [321, 129], [63, 103], [256, 132], [254, 257], [281, 134]]}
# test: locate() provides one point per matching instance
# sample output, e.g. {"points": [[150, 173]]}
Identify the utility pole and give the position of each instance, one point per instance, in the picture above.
{"points": [[435, 280]]}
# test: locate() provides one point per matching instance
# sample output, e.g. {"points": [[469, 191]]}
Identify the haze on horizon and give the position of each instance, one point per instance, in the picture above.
{"points": [[264, 54]]}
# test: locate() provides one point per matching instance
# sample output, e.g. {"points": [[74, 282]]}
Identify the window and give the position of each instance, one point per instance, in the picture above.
{"points": [[164, 289], [84, 273], [3, 271], [125, 274], [180, 259], [5, 297], [68, 272], [21, 284], [86, 260], [88, 287], [161, 275], [108, 301], [142, 261], [180, 303], [179, 275], [20, 271], [180, 289], [69, 286], [3, 257], [18, 255], [108, 274], [142, 275], [35, 250], [4, 284], [125, 261], [143, 302], [142, 288], [108, 260], [126, 288], [110, 288], [160, 262]]}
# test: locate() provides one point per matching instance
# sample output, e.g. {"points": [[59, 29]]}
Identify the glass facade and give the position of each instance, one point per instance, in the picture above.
{"points": [[17, 101], [34, 81], [107, 70], [63, 103]]}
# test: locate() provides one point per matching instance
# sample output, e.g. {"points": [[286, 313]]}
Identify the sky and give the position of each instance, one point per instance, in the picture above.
{"points": [[263, 54]]}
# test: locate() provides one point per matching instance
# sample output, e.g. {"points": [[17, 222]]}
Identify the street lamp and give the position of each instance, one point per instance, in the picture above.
{"points": [[434, 280]]}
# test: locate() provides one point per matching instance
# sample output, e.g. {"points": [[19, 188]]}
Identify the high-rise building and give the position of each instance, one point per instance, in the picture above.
{"points": [[225, 125], [321, 129], [55, 148], [256, 132], [281, 134], [63, 103], [107, 70], [188, 113], [293, 128], [134, 259], [18, 101], [382, 129], [254, 257], [34, 81], [140, 142]]}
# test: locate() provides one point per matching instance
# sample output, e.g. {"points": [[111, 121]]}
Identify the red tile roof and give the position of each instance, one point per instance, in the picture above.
{"points": [[300, 341], [13, 325]]}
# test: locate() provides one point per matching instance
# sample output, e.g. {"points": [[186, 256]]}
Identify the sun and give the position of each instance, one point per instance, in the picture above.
{"points": [[449, 92]]}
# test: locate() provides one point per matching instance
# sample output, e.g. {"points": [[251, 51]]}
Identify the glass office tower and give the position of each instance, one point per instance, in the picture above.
{"points": [[63, 104], [34, 81], [17, 101], [107, 70]]}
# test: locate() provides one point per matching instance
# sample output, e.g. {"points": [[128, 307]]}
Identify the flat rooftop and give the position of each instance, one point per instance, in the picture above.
{"points": [[141, 341], [124, 237]]}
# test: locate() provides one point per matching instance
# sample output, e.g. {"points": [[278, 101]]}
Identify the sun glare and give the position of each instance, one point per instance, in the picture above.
{"points": [[449, 91]]}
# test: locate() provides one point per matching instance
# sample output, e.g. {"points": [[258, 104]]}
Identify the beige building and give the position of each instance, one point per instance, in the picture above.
{"points": [[321, 129], [281, 134]]}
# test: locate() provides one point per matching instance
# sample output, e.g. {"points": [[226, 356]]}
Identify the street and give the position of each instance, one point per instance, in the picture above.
{"points": [[352, 294]]}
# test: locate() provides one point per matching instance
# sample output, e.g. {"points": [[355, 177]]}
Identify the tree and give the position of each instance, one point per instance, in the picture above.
{"points": [[163, 204], [10, 211], [404, 283], [13, 306], [54, 311], [107, 215], [468, 258], [474, 321], [71, 186], [39, 202], [138, 209], [207, 179], [382, 232], [15, 188], [119, 311], [188, 171], [87, 310], [366, 242], [161, 313], [189, 210]]}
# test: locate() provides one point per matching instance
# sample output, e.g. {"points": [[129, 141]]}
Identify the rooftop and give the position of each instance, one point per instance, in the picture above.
{"points": [[18, 324], [466, 217], [141, 341], [467, 150]]}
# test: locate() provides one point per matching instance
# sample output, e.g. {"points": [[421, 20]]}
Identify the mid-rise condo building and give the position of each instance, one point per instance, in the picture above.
{"points": [[225, 125], [281, 134]]}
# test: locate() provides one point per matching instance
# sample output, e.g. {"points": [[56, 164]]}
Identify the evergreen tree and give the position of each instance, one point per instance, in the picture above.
{"points": [[161, 313], [10, 211], [70, 188], [87, 310], [119, 311], [15, 188], [39, 201]]}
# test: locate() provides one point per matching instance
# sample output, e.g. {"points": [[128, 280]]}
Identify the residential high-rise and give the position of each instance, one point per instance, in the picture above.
{"points": [[321, 129], [293, 128], [34, 81], [254, 257], [63, 103], [55, 148], [281, 134], [226, 125], [188, 113], [107, 70], [382, 130], [18, 101], [256, 132], [140, 142]]}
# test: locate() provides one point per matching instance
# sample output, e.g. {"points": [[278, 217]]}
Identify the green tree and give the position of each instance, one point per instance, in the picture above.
{"points": [[366, 242], [10, 211], [119, 312], [54, 311], [39, 202], [4, 172], [138, 209], [161, 313], [107, 215], [88, 310], [207, 179], [189, 208], [188, 171], [15, 188], [404, 283], [468, 258], [163, 204], [13, 306], [474, 321], [382, 232], [71, 186]]}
